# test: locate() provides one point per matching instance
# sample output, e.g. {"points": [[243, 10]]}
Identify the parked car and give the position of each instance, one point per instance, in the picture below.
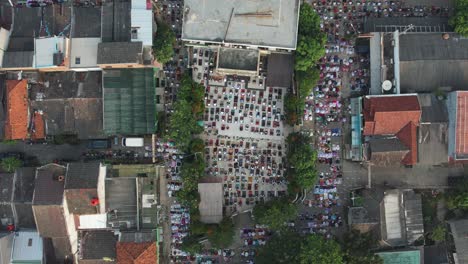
{"points": [[99, 144], [133, 142]]}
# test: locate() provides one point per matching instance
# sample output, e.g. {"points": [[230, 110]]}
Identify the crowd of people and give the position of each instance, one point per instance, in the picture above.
{"points": [[236, 110], [252, 170]]}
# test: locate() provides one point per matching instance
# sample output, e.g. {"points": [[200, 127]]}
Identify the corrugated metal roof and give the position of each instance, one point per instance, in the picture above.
{"points": [[129, 101], [432, 47], [460, 236]]}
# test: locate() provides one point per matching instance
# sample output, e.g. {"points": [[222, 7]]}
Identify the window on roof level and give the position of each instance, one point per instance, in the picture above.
{"points": [[77, 60], [134, 33]]}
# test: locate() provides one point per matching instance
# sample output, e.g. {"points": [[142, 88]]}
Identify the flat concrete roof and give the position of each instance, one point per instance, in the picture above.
{"points": [[264, 23], [238, 59], [211, 202]]}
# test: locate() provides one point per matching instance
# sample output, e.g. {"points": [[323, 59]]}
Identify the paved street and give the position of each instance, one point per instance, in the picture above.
{"points": [[47, 153], [418, 177]]}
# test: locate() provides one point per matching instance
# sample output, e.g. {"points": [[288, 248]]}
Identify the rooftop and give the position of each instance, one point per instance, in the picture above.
{"points": [[389, 114], [83, 53], [86, 22], [402, 220], [82, 175], [119, 52], [27, 247], [389, 24], [116, 21], [459, 232], [142, 20], [129, 97], [461, 139], [137, 253], [16, 126], [428, 62], [76, 109], [414, 47], [24, 184], [211, 201], [121, 202], [280, 70], [48, 187], [238, 59], [96, 245], [18, 59], [6, 187], [402, 257], [266, 23]]}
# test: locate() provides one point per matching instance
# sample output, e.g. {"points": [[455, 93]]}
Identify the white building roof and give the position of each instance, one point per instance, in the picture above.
{"points": [[4, 40], [142, 21], [95, 221], [392, 216], [263, 23], [45, 50], [211, 202], [27, 246], [84, 51]]}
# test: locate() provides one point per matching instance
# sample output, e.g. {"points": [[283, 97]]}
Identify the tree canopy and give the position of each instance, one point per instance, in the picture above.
{"points": [[188, 108], [302, 159], [310, 48], [275, 213], [357, 248], [221, 235], [311, 41], [460, 19], [282, 248], [10, 164], [163, 43], [316, 249]]}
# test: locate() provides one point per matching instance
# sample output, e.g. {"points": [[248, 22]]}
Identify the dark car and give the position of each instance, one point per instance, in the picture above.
{"points": [[99, 144], [17, 155]]}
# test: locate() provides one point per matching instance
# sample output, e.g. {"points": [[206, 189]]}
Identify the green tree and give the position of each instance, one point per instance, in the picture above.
{"points": [[282, 248], [182, 125], [460, 20], [163, 43], [197, 146], [315, 249], [190, 245], [291, 103], [357, 248], [311, 41], [275, 213], [302, 161], [221, 235], [438, 234], [10, 164], [309, 50]]}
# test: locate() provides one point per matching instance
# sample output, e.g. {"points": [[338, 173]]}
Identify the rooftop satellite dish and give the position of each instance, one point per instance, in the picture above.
{"points": [[387, 85]]}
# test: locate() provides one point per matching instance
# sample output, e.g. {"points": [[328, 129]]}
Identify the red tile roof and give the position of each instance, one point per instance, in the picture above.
{"points": [[407, 136], [137, 253], [386, 115], [39, 127], [461, 123], [16, 125], [394, 115]]}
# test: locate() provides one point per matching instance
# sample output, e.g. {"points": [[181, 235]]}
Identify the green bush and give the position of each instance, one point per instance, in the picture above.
{"points": [[10, 164]]}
